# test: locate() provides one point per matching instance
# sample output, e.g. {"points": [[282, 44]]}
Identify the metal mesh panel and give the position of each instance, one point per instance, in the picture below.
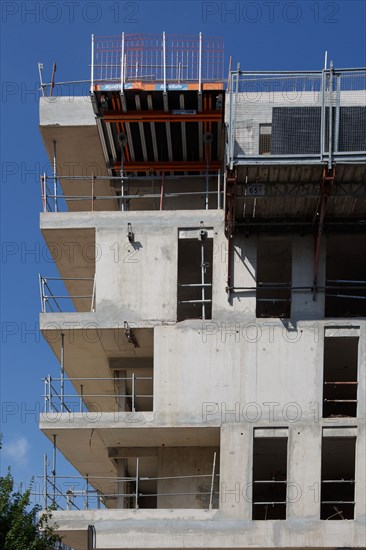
{"points": [[144, 58], [309, 114]]}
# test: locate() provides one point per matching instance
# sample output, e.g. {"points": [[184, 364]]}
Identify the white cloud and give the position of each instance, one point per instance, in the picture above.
{"points": [[17, 450]]}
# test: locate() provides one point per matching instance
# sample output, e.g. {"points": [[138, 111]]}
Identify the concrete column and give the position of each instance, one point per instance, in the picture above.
{"points": [[236, 471], [303, 471], [360, 474], [302, 304], [244, 273]]}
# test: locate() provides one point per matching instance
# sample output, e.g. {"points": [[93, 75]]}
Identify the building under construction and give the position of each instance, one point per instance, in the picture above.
{"points": [[208, 227]]}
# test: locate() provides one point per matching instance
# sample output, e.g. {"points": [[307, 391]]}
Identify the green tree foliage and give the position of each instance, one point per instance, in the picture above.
{"points": [[19, 527]]}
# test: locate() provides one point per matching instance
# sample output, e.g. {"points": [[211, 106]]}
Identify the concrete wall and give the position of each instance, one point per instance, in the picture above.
{"points": [[240, 363], [187, 461]]}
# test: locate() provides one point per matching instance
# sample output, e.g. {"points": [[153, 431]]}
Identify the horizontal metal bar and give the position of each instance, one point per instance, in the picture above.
{"points": [[136, 196], [345, 281], [77, 396], [341, 383], [67, 278], [340, 400], [111, 379], [338, 481], [337, 502], [258, 503], [195, 285], [162, 116], [269, 481], [194, 301], [347, 296], [59, 297], [210, 174]]}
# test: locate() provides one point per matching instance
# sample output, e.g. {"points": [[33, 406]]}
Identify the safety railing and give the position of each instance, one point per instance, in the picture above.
{"points": [[345, 286], [51, 302], [68, 394], [97, 492], [301, 117], [128, 190], [170, 61]]}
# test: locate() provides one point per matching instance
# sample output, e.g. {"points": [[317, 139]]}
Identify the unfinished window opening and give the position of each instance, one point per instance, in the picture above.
{"points": [[338, 478], [340, 376], [274, 270], [269, 478], [133, 384], [345, 276], [265, 139], [195, 255]]}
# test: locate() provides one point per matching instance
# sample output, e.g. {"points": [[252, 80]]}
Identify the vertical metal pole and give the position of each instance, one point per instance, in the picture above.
{"points": [[62, 385], [55, 175], [200, 64], [42, 193], [92, 66], [224, 198], [40, 69], [50, 394], [40, 291], [322, 119], [137, 484], [45, 191], [133, 391], [93, 294], [44, 299], [45, 481], [87, 492], [164, 63], [203, 279], [218, 190], [162, 191], [54, 470], [330, 160], [81, 397], [337, 116], [123, 62], [212, 481], [45, 391], [206, 179], [92, 192]]}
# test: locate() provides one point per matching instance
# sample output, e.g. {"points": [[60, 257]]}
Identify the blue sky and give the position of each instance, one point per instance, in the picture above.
{"points": [[261, 35]]}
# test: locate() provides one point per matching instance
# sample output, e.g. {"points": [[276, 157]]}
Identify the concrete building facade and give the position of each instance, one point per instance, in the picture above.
{"points": [[211, 339]]}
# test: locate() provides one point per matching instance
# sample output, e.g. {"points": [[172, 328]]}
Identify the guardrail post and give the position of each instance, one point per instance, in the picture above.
{"points": [[92, 66], [200, 64], [81, 397], [218, 190], [93, 294], [87, 492], [133, 391], [164, 63], [55, 176], [122, 62], [212, 481], [137, 484], [45, 481], [50, 404], [62, 381]]}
